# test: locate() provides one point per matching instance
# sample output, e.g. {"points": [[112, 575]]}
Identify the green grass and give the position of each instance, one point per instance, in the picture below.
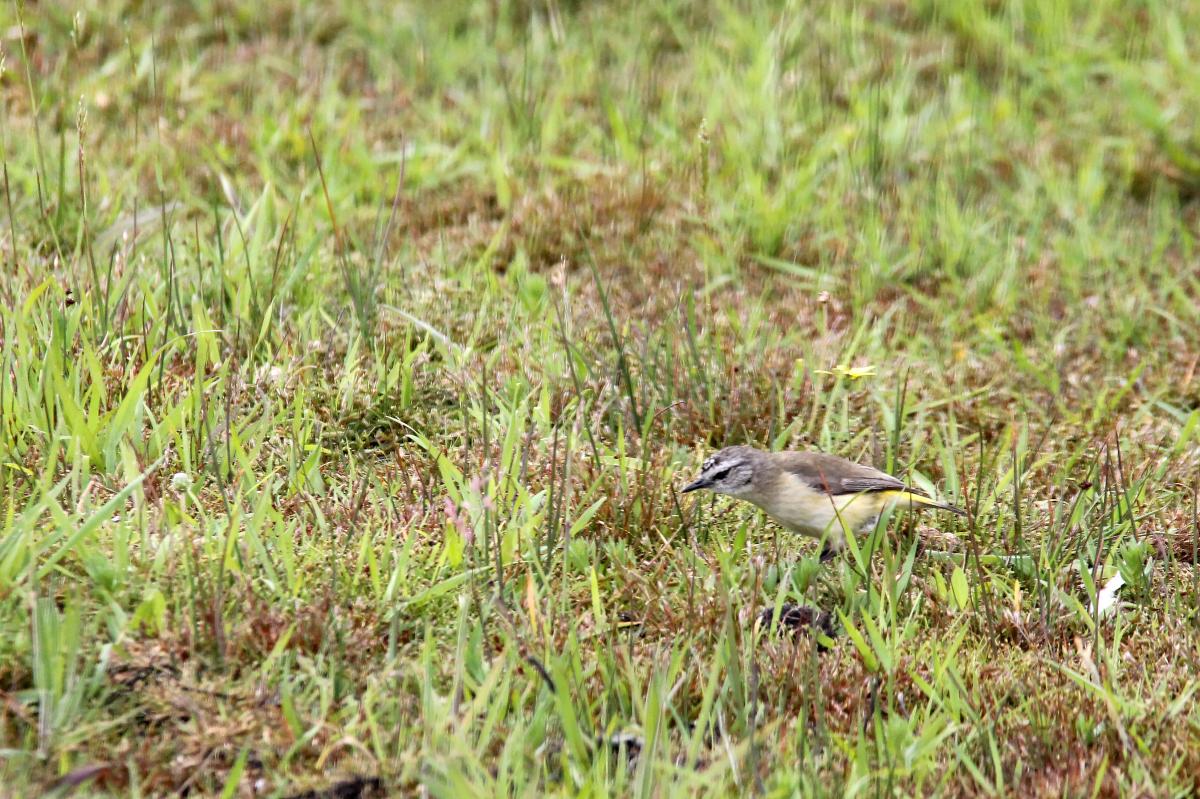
{"points": [[353, 359]]}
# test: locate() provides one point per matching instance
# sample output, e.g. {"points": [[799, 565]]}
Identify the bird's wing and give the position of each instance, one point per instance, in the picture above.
{"points": [[834, 475]]}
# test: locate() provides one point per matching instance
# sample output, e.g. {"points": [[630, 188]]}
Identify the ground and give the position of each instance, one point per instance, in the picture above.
{"points": [[353, 359]]}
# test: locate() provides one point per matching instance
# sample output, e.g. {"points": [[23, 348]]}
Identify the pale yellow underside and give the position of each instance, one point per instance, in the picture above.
{"points": [[802, 509]]}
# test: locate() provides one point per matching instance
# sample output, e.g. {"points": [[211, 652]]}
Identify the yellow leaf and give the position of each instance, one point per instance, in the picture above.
{"points": [[852, 372]]}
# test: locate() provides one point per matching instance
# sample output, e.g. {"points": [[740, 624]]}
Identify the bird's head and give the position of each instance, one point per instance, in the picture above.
{"points": [[729, 471]]}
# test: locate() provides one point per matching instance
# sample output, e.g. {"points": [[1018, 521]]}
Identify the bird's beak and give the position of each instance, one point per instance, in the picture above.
{"points": [[698, 484]]}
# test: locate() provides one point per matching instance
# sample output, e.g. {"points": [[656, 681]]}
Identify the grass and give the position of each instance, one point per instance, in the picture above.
{"points": [[353, 359]]}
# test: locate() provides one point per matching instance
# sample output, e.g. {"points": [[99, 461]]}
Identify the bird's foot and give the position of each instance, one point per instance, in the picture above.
{"points": [[829, 552]]}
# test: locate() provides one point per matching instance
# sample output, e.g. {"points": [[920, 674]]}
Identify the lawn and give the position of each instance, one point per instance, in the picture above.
{"points": [[354, 356]]}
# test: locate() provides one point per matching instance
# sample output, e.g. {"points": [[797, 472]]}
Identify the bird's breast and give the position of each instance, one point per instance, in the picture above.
{"points": [[803, 509]]}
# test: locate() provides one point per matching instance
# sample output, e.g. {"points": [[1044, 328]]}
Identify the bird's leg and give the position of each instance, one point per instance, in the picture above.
{"points": [[829, 551]]}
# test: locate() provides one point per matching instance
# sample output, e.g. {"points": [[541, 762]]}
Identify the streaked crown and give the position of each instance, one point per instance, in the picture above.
{"points": [[728, 471]]}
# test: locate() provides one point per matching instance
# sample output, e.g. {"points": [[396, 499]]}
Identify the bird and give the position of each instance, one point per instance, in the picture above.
{"points": [[810, 493]]}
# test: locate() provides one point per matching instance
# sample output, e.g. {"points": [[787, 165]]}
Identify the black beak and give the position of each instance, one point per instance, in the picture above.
{"points": [[701, 483]]}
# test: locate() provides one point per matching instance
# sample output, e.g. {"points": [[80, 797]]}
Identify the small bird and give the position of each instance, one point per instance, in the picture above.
{"points": [[810, 493]]}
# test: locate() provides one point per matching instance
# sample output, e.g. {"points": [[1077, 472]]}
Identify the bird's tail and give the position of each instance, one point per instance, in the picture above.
{"points": [[913, 498]]}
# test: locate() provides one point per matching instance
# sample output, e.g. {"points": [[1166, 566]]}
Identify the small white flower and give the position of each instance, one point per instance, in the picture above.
{"points": [[181, 481]]}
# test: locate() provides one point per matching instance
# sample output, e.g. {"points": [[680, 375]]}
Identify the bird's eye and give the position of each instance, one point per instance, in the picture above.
{"points": [[721, 475]]}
